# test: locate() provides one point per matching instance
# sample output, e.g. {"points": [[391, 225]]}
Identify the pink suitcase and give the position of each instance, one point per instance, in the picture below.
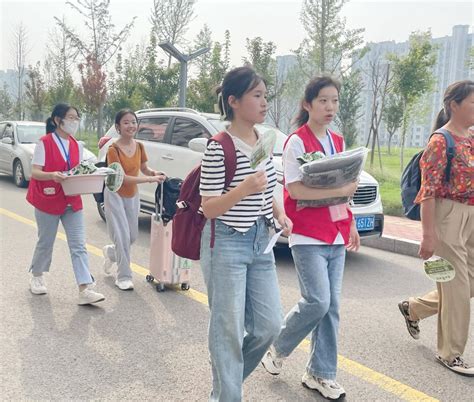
{"points": [[165, 266]]}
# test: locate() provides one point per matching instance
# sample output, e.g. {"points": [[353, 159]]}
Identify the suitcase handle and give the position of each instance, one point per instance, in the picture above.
{"points": [[159, 213]]}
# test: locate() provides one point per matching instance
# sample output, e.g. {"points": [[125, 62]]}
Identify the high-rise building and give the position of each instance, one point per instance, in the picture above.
{"points": [[452, 64]]}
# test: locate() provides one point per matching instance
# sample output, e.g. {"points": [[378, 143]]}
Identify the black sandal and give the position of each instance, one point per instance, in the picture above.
{"points": [[412, 325]]}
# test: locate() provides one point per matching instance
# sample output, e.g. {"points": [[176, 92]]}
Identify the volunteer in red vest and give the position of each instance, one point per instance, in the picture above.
{"points": [[57, 152], [318, 245]]}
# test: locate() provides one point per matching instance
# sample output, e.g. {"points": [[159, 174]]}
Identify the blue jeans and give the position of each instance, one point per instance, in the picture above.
{"points": [[320, 270], [244, 300], [73, 223]]}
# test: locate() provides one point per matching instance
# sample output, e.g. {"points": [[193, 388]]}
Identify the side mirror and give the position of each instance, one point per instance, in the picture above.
{"points": [[7, 140], [198, 144]]}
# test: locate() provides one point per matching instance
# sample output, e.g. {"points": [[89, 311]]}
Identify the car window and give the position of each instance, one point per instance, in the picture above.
{"points": [[184, 130], [2, 129], [8, 132], [29, 134], [152, 128]]}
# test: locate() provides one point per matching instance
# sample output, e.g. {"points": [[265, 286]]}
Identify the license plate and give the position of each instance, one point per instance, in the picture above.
{"points": [[365, 223]]}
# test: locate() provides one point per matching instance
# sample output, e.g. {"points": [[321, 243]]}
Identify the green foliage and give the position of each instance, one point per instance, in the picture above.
{"points": [[211, 71], [260, 56], [35, 93], [328, 41], [349, 106], [412, 77], [6, 104]]}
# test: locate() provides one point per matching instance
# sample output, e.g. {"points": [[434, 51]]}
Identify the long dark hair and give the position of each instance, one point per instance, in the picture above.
{"points": [[312, 91], [457, 92], [60, 110], [236, 83]]}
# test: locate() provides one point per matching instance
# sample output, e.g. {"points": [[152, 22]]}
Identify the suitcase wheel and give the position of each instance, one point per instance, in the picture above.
{"points": [[149, 278], [160, 287], [185, 286]]}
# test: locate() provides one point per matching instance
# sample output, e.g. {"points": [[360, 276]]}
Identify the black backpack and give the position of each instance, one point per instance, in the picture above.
{"points": [[411, 177]]}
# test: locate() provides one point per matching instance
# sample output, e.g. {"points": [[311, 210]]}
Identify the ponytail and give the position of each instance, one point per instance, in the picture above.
{"points": [[50, 125], [441, 120]]}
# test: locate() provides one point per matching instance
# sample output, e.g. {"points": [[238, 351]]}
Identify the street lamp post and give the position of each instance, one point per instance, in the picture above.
{"points": [[183, 66]]}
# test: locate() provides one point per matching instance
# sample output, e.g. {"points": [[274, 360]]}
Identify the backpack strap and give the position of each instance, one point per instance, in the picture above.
{"points": [[450, 145], [230, 163]]}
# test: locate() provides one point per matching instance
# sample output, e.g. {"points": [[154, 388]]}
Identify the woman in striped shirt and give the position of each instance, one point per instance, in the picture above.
{"points": [[241, 280]]}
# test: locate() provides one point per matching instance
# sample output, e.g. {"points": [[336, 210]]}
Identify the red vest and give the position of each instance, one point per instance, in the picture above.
{"points": [[48, 196], [316, 222]]}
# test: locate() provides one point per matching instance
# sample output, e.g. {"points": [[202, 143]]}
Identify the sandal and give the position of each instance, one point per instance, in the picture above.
{"points": [[412, 325]]}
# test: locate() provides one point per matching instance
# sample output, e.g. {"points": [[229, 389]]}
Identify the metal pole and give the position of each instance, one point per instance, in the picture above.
{"points": [[183, 82]]}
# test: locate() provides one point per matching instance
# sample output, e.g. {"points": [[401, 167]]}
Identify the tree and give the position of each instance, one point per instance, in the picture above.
{"points": [[160, 83], [20, 52], [328, 42], [349, 106], [102, 42], [379, 78], [94, 89], [170, 20], [211, 71], [413, 77], [35, 92], [6, 104], [260, 56], [392, 115]]}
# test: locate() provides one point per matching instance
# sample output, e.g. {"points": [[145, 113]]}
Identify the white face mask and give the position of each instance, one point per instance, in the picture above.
{"points": [[70, 127]]}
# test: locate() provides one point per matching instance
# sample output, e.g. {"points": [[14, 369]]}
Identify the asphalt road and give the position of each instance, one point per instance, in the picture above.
{"points": [[144, 345]]}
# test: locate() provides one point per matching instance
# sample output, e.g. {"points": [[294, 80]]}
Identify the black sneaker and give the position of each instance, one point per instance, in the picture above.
{"points": [[458, 365], [412, 325]]}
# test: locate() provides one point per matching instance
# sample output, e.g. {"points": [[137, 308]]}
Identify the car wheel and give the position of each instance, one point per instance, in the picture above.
{"points": [[101, 210], [19, 175]]}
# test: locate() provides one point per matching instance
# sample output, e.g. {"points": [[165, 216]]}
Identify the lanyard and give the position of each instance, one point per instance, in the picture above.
{"points": [[66, 154], [333, 151]]}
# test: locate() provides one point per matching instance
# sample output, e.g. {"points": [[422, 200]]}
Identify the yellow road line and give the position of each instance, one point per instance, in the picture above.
{"points": [[380, 380]]}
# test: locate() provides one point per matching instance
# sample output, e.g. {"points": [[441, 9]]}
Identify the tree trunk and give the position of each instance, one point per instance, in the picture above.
{"points": [[100, 118], [389, 143], [402, 142]]}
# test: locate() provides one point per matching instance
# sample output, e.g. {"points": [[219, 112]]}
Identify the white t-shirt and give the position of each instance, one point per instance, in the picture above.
{"points": [[39, 154], [291, 167]]}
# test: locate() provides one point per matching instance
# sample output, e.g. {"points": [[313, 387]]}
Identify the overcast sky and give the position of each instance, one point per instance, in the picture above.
{"points": [[273, 20]]}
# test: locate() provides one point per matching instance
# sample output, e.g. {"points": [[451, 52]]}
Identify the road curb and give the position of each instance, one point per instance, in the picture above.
{"points": [[393, 244]]}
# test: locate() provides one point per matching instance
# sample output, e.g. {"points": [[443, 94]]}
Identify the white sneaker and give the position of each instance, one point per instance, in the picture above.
{"points": [[124, 284], [271, 362], [458, 365], [88, 296], [107, 261], [330, 389], [37, 285]]}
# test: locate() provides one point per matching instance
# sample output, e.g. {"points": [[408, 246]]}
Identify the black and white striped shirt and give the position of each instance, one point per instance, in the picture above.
{"points": [[242, 215]]}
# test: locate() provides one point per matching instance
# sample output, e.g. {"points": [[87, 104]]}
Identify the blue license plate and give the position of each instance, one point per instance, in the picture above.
{"points": [[365, 223]]}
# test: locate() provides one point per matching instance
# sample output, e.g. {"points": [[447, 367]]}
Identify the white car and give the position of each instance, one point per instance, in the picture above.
{"points": [[17, 143], [175, 139]]}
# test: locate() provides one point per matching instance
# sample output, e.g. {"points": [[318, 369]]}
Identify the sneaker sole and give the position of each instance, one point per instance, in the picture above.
{"points": [[268, 371], [38, 293], [339, 398], [91, 302], [407, 319], [440, 361]]}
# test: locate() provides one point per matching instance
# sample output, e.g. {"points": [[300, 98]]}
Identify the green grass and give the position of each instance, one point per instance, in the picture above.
{"points": [[90, 140], [389, 177]]}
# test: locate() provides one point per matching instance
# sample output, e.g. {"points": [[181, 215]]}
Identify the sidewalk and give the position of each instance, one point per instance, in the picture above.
{"points": [[400, 235]]}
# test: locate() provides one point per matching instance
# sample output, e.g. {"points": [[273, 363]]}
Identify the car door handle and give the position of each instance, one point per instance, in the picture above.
{"points": [[168, 157]]}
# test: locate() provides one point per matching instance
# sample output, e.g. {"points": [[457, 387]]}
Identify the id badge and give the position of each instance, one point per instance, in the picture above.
{"points": [[338, 212], [49, 191]]}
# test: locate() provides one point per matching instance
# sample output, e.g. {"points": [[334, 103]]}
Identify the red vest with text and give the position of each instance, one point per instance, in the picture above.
{"points": [[48, 196], [316, 222]]}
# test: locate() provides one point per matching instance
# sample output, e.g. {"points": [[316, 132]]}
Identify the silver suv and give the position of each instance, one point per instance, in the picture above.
{"points": [[175, 139]]}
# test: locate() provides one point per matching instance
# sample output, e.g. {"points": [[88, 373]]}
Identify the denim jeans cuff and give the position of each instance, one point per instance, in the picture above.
{"points": [[322, 374]]}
